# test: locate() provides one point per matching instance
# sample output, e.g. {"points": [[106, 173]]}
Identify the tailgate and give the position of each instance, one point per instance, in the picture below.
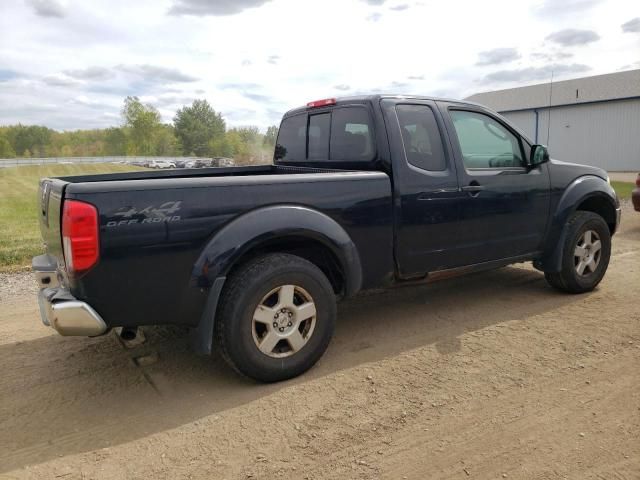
{"points": [[50, 195]]}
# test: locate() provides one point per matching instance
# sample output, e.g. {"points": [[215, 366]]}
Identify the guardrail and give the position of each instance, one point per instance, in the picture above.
{"points": [[16, 162]]}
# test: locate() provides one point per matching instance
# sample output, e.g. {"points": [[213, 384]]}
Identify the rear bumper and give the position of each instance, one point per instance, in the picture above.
{"points": [[59, 309]]}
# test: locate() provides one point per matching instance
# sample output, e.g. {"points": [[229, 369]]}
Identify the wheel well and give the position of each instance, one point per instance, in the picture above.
{"points": [[600, 206], [312, 250]]}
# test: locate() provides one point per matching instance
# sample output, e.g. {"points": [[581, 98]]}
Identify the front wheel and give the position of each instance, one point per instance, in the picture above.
{"points": [[585, 254], [276, 317]]}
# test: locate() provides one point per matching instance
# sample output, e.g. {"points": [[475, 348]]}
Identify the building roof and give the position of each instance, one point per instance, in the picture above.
{"points": [[566, 92]]}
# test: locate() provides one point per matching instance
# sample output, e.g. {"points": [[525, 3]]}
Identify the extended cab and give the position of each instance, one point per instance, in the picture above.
{"points": [[364, 192]]}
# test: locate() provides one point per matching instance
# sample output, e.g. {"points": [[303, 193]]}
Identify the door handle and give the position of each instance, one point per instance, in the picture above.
{"points": [[440, 192], [473, 189]]}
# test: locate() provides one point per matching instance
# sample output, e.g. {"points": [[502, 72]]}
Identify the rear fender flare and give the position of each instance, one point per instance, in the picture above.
{"points": [[251, 229]]}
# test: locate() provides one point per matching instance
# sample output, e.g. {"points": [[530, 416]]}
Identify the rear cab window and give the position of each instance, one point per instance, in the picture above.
{"points": [[343, 134], [319, 126], [291, 138], [351, 135]]}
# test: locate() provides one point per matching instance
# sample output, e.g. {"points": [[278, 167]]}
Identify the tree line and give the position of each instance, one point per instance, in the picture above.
{"points": [[197, 130]]}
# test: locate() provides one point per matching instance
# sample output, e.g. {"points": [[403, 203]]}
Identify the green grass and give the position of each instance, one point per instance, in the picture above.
{"points": [[623, 189], [19, 231]]}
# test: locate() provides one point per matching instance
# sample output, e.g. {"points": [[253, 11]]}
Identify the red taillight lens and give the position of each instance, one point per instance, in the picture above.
{"points": [[80, 235], [638, 180], [322, 103]]}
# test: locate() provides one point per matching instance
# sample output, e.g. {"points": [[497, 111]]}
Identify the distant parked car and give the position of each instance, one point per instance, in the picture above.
{"points": [[635, 195], [222, 162], [161, 164], [190, 164], [180, 163], [202, 163]]}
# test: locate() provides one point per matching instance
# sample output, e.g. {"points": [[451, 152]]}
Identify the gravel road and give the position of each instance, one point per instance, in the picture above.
{"points": [[492, 375]]}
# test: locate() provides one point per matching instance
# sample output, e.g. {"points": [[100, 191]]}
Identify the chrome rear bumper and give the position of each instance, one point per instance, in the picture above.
{"points": [[61, 310]]}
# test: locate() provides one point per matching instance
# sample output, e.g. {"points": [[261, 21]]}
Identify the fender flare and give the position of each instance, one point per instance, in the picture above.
{"points": [[253, 228], [580, 190]]}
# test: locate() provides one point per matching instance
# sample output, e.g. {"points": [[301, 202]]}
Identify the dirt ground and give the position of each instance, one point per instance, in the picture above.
{"points": [[493, 375], [629, 177]]}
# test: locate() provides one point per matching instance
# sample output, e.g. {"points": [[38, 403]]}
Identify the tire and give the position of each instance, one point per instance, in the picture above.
{"points": [[593, 262], [264, 303]]}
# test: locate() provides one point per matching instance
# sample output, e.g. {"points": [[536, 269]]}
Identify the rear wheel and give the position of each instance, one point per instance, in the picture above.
{"points": [[277, 316], [585, 254]]}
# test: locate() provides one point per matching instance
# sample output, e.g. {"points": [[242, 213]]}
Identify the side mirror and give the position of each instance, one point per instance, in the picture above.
{"points": [[539, 155]]}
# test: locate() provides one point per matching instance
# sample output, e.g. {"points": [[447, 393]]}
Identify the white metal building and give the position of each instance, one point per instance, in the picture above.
{"points": [[592, 120]]}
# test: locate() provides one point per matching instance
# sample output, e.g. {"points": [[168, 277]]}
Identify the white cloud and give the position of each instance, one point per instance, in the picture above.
{"points": [[254, 59], [555, 8], [632, 26], [48, 8], [90, 73], [86, 101], [157, 74], [212, 7], [535, 73], [570, 37], [497, 56], [60, 80]]}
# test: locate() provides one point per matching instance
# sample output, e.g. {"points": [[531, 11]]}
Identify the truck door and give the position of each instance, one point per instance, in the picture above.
{"points": [[426, 194], [505, 206]]}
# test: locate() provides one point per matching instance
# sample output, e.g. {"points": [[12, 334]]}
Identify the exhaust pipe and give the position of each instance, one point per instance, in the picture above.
{"points": [[128, 334]]}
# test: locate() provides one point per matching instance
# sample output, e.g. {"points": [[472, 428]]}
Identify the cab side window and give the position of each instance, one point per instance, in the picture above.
{"points": [[421, 137], [485, 142]]}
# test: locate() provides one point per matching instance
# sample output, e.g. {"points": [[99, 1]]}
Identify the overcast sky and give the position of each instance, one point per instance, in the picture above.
{"points": [[68, 64]]}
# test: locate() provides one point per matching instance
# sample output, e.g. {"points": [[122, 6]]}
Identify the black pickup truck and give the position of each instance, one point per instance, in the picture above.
{"points": [[364, 192]]}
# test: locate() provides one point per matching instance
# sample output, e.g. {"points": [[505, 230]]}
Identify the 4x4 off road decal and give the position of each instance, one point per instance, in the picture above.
{"points": [[151, 214]]}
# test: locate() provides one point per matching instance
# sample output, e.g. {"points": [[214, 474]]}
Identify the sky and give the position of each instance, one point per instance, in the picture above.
{"points": [[69, 64]]}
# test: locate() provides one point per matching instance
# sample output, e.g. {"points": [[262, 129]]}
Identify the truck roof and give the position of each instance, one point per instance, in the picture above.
{"points": [[376, 97]]}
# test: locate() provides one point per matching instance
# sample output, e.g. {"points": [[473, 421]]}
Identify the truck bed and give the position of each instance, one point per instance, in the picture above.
{"points": [[154, 226], [241, 171]]}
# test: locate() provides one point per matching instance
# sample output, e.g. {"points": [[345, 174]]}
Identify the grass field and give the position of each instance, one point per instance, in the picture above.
{"points": [[623, 189], [19, 232]]}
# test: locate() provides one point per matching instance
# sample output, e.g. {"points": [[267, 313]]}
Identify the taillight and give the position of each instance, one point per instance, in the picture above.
{"points": [[80, 235], [638, 180], [322, 103]]}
